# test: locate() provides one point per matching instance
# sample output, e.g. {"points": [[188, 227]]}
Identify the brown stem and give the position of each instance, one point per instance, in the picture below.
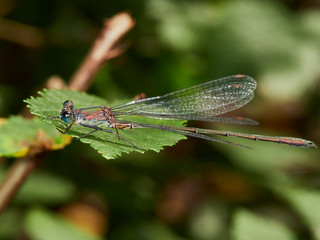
{"points": [[22, 34], [15, 177], [105, 47]]}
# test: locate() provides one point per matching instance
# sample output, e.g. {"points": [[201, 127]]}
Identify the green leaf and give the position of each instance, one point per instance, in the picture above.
{"points": [[249, 226], [18, 136], [305, 202], [50, 104], [44, 225]]}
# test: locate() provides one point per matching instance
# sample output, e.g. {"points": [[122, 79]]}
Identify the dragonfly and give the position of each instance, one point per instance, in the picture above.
{"points": [[203, 102]]}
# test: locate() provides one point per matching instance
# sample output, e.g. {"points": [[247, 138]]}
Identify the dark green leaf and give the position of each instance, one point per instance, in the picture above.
{"points": [[10, 221], [143, 230]]}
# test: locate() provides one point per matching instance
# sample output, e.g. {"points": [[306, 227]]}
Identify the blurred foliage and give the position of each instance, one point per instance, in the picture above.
{"points": [[52, 227], [196, 189], [248, 226], [35, 134]]}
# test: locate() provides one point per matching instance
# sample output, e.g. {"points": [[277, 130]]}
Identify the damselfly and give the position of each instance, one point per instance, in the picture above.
{"points": [[203, 102]]}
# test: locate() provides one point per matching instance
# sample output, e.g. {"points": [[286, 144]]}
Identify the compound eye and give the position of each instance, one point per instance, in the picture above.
{"points": [[65, 102], [68, 104], [66, 116]]}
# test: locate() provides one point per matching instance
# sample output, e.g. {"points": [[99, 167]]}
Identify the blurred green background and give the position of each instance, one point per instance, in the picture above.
{"points": [[195, 189]]}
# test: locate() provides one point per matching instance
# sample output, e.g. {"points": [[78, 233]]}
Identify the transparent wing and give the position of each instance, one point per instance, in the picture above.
{"points": [[200, 102]]}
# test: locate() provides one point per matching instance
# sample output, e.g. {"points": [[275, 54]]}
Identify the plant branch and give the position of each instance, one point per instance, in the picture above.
{"points": [[17, 174], [105, 47]]}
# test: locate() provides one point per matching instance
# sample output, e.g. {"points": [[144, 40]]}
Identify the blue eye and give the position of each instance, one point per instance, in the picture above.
{"points": [[66, 117], [68, 103], [66, 113]]}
